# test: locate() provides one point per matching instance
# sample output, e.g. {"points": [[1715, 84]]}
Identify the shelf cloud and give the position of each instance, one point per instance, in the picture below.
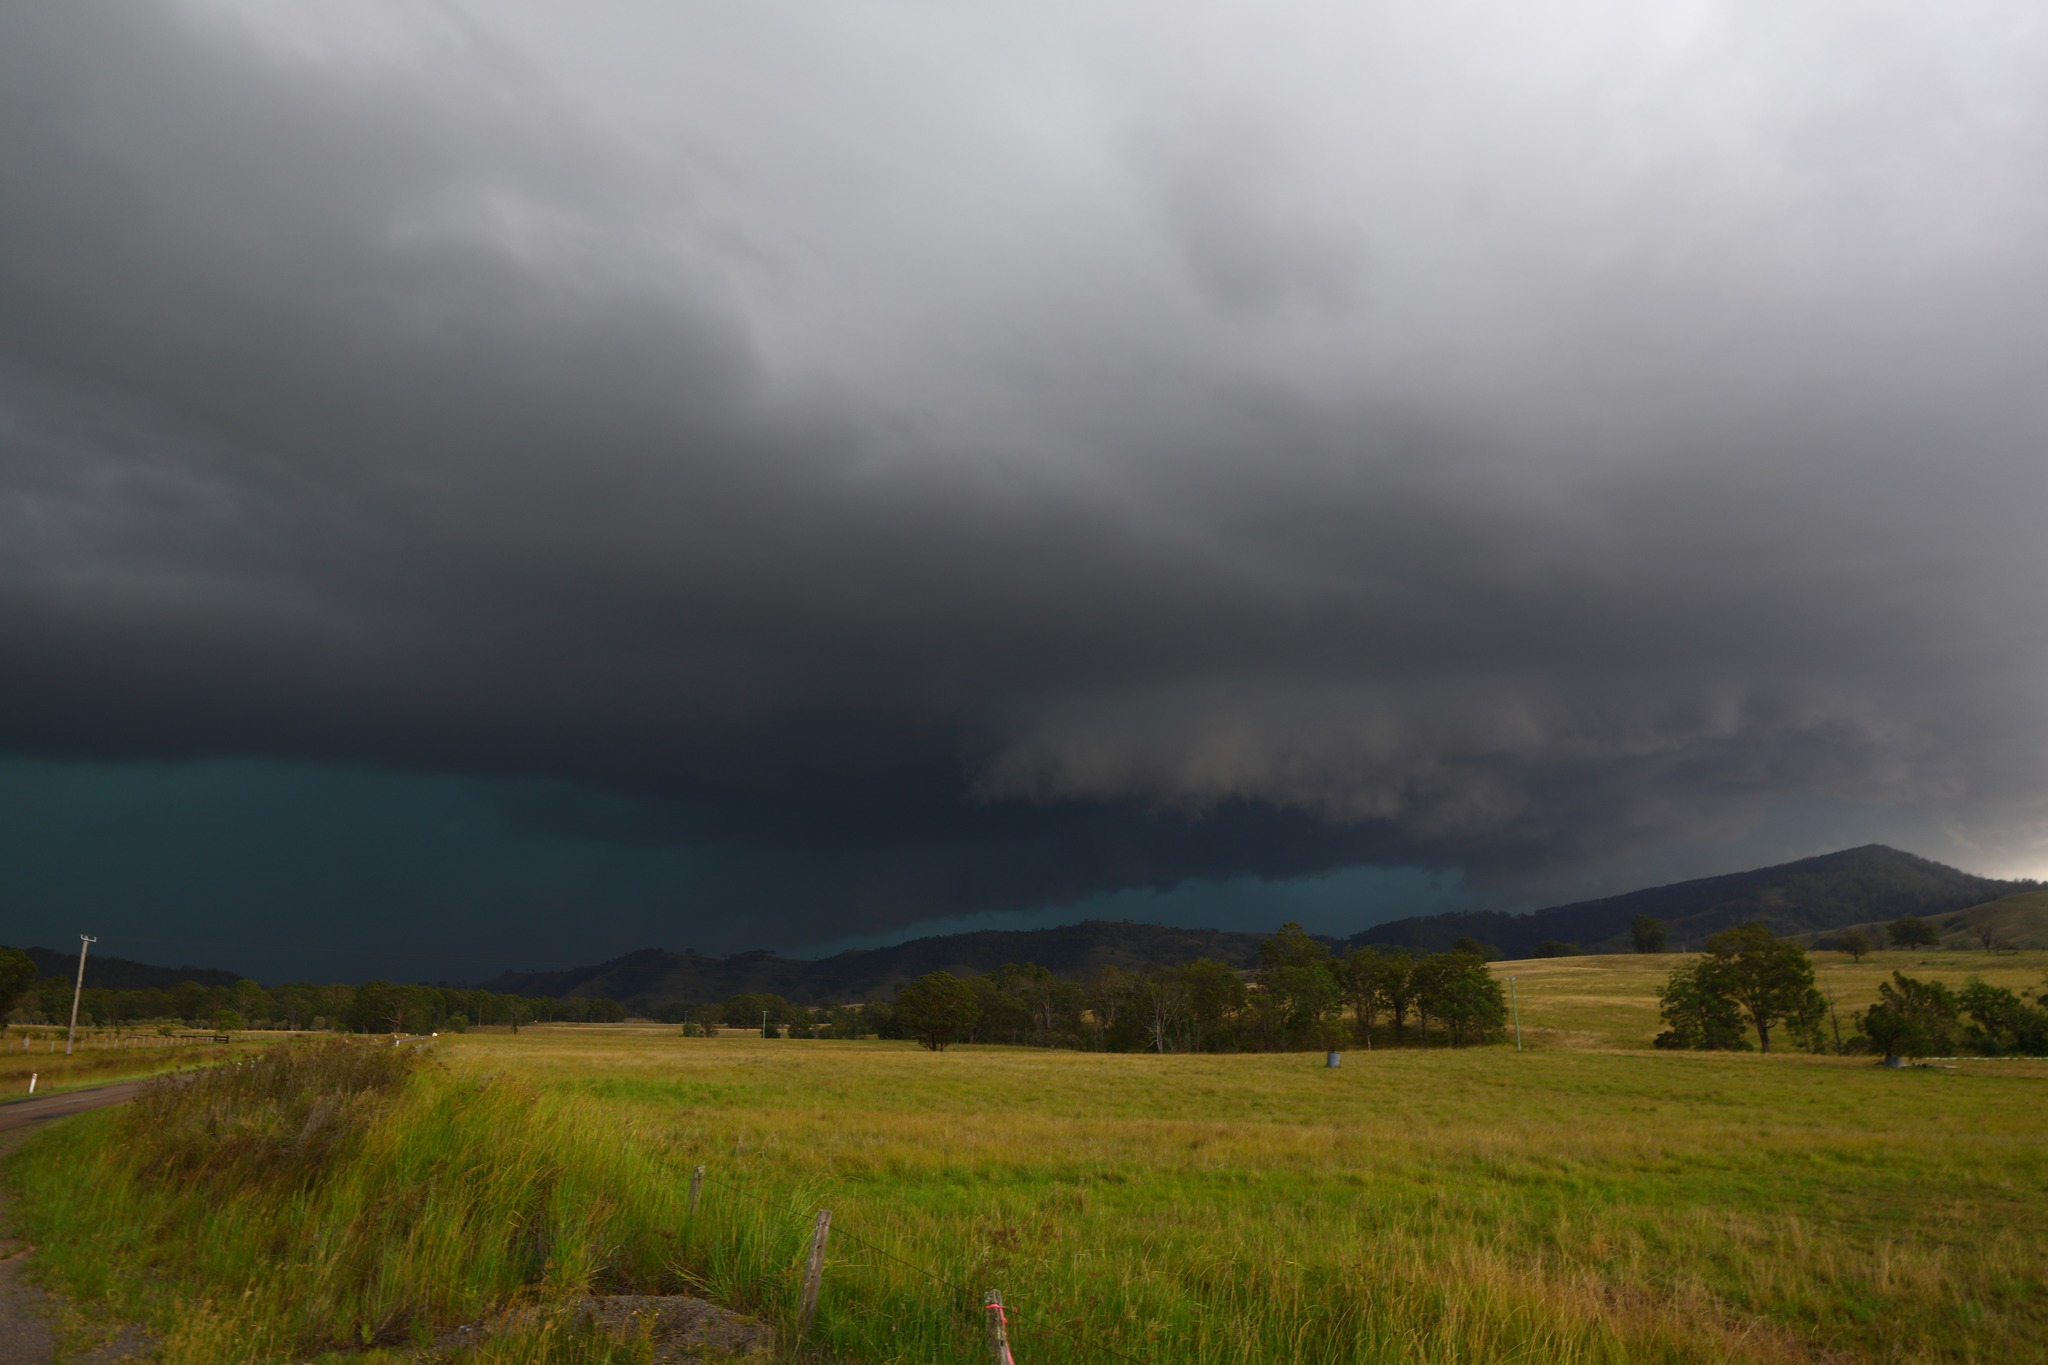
{"points": [[926, 463]]}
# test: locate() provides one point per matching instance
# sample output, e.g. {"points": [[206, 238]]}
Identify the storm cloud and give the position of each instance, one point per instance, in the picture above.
{"points": [[923, 462]]}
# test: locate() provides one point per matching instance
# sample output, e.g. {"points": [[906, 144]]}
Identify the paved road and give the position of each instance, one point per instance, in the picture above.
{"points": [[24, 1319], [39, 1109]]}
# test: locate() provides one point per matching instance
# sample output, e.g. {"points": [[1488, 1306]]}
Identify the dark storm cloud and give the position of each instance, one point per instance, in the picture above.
{"points": [[1061, 466]]}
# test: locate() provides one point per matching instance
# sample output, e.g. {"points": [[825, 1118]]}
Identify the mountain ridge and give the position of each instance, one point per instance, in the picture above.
{"points": [[1829, 891], [652, 976]]}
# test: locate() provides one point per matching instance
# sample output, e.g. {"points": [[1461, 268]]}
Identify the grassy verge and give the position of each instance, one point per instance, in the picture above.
{"points": [[1412, 1206], [55, 1073]]}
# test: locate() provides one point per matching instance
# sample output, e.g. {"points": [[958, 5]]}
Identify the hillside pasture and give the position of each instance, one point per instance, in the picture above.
{"points": [[1610, 1000]]}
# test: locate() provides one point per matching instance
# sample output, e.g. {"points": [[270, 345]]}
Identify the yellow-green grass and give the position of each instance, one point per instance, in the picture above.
{"points": [[1413, 1205], [54, 1072], [1610, 1001]]}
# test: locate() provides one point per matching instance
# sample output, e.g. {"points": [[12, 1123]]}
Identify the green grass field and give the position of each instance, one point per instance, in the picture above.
{"points": [[1610, 1001], [1588, 1199], [88, 1065]]}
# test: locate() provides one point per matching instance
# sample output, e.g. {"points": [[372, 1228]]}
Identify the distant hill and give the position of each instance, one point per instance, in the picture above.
{"points": [[2016, 921], [1833, 891], [120, 974], [652, 977]]}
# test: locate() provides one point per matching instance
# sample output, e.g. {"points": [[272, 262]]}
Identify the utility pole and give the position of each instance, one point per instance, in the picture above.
{"points": [[84, 941], [1515, 1004]]}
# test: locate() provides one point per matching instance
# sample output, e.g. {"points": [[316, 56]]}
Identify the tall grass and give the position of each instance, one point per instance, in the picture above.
{"points": [[1410, 1207]]}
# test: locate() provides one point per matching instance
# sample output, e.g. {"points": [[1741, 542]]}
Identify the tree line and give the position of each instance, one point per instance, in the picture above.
{"points": [[372, 1007], [1301, 995], [1750, 982]]}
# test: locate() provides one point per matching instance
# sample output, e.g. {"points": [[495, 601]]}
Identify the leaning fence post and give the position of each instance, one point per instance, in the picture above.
{"points": [[813, 1273], [998, 1331], [696, 1188]]}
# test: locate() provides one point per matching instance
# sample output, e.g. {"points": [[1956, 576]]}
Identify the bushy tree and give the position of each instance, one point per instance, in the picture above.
{"points": [[1365, 976], [1762, 978], [2002, 1024], [1216, 996], [1854, 942], [1113, 1001], [1648, 934], [1909, 931], [1554, 947], [1771, 978], [1472, 947], [17, 970], [1397, 989], [1697, 1014], [1299, 985], [1912, 1018], [1461, 994], [938, 1009]]}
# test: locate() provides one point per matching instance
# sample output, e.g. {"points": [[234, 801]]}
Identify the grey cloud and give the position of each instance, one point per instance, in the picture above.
{"points": [[1245, 215], [425, 412]]}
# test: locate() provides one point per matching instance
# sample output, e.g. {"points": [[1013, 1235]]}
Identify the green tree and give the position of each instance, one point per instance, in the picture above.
{"points": [[1472, 947], [1004, 1016], [1912, 1018], [1110, 996], [938, 1009], [1769, 977], [1554, 947], [1697, 1014], [1648, 934], [1298, 978], [253, 1003], [17, 969], [1362, 977], [1908, 931], [1458, 990], [2002, 1024], [1216, 997], [1397, 989], [1854, 942]]}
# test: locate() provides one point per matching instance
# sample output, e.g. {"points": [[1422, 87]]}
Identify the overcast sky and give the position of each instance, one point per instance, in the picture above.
{"points": [[499, 485]]}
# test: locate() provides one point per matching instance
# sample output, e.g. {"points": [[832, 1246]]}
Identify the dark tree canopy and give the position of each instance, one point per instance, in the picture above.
{"points": [[17, 969], [1697, 1014], [1912, 1018], [1769, 977], [1648, 934], [1748, 973], [1909, 931], [938, 1009]]}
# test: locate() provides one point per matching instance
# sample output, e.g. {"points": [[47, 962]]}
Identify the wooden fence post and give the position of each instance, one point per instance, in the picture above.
{"points": [[813, 1273], [696, 1188], [998, 1331]]}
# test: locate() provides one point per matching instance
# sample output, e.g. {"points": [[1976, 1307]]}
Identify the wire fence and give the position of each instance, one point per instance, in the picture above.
{"points": [[1004, 1315]]}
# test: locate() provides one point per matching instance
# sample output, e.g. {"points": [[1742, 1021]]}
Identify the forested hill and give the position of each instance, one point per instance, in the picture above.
{"points": [[1833, 891], [120, 974], [651, 976]]}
